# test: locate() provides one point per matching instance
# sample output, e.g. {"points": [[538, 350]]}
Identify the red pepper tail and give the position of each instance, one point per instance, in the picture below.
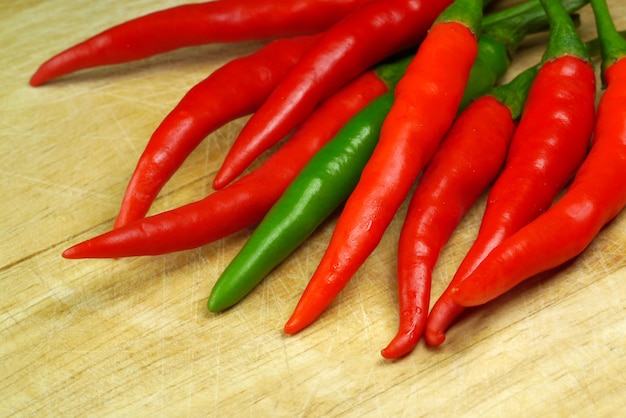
{"points": [[135, 239], [443, 313], [57, 66], [309, 308], [331, 277], [225, 175], [98, 247], [77, 251], [38, 78], [403, 343], [295, 325], [255, 138]]}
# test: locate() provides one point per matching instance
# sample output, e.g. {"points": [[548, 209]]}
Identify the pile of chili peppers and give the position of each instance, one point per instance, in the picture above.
{"points": [[376, 102]]}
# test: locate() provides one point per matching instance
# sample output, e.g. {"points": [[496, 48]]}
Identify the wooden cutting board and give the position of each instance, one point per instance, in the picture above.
{"points": [[132, 337]]}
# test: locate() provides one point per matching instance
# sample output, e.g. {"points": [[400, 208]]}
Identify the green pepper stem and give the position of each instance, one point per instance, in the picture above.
{"points": [[466, 12], [527, 8], [594, 46], [511, 25], [612, 45], [513, 94], [564, 39]]}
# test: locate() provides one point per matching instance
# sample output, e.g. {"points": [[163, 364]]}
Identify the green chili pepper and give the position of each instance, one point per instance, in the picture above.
{"points": [[491, 63], [317, 191], [322, 185]]}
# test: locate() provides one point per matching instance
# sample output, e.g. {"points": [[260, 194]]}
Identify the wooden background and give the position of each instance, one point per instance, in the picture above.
{"points": [[133, 337]]}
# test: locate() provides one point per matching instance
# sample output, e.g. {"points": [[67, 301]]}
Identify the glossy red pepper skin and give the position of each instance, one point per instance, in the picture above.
{"points": [[595, 197], [373, 32], [196, 24], [234, 90], [549, 145], [243, 203], [426, 103], [467, 161], [465, 164]]}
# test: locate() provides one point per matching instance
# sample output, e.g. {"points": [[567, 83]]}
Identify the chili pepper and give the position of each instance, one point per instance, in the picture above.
{"points": [[243, 203], [467, 161], [196, 24], [211, 218], [211, 103], [503, 29], [596, 196], [502, 32], [426, 102], [373, 32], [318, 190], [322, 185], [549, 145], [234, 90], [346, 49]]}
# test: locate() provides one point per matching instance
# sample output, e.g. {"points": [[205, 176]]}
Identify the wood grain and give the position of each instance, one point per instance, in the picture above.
{"points": [[133, 337]]}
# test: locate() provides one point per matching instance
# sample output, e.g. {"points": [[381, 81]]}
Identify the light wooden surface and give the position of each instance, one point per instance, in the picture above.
{"points": [[132, 337]]}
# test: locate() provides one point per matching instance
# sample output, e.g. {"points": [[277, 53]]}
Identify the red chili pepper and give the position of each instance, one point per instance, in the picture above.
{"points": [[374, 31], [234, 90], [549, 145], [467, 161], [243, 203], [426, 103], [596, 195], [196, 24]]}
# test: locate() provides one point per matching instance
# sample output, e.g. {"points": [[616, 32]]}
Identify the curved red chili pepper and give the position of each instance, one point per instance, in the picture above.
{"points": [[549, 145], [243, 203], [596, 196], [365, 37], [597, 193], [426, 103], [465, 164], [196, 24], [467, 161], [234, 90]]}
